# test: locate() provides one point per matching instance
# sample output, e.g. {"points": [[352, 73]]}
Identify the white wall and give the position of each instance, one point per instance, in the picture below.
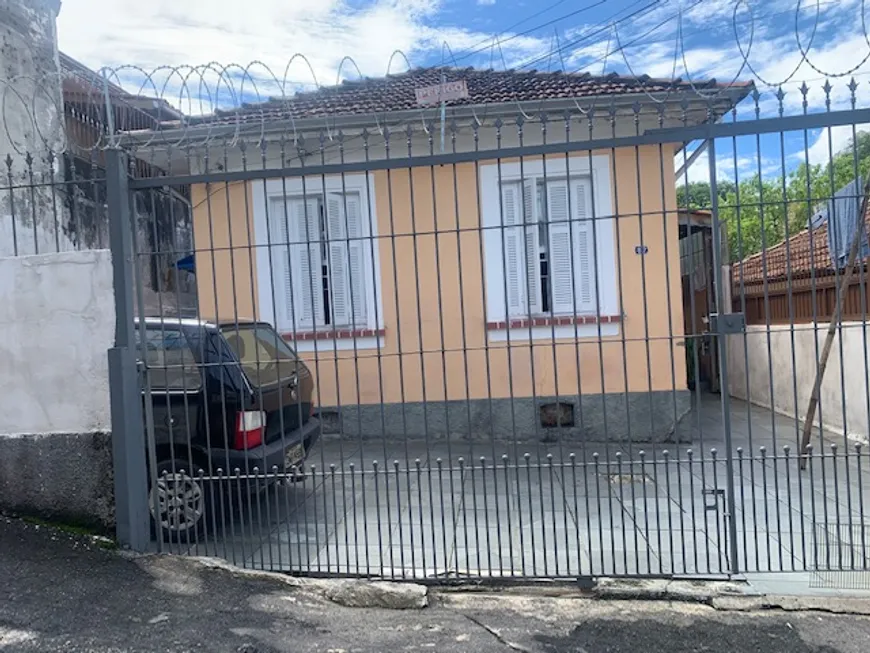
{"points": [[56, 324], [756, 385]]}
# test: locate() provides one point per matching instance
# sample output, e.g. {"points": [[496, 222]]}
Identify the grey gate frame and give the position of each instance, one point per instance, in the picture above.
{"points": [[329, 483]]}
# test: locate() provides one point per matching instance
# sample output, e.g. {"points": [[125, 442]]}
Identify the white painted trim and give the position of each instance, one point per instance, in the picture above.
{"points": [[490, 217], [339, 344], [562, 332], [290, 187]]}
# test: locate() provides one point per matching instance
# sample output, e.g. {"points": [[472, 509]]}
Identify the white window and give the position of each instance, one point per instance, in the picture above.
{"points": [[321, 257], [549, 251], [548, 255]]}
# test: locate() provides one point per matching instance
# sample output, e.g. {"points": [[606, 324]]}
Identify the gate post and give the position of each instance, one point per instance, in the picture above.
{"points": [[734, 560], [128, 441]]}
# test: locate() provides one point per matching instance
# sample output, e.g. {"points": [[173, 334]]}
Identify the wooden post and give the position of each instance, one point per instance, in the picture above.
{"points": [[842, 289]]}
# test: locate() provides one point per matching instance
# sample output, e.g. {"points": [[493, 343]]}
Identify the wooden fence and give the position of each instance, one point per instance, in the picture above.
{"points": [[801, 301]]}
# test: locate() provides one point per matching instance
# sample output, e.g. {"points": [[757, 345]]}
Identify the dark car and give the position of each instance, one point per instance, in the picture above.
{"points": [[230, 403]]}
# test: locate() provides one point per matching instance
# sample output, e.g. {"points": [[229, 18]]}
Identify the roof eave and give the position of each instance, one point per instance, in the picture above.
{"points": [[729, 97]]}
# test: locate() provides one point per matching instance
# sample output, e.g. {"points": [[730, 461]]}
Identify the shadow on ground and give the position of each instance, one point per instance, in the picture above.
{"points": [[709, 635]]}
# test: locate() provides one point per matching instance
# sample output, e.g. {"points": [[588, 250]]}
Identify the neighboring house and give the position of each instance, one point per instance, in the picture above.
{"points": [[406, 288], [699, 295], [165, 231], [795, 282], [788, 293]]}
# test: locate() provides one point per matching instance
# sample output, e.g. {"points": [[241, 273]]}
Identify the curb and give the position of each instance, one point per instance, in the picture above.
{"points": [[686, 591], [350, 593], [724, 596], [832, 604]]}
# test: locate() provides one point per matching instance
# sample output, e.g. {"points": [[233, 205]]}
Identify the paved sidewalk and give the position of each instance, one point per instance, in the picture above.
{"points": [[61, 593]]}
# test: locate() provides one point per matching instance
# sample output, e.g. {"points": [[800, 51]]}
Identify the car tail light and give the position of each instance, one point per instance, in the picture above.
{"points": [[249, 429], [311, 409]]}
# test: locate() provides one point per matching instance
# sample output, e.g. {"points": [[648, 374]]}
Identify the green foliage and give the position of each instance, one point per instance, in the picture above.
{"points": [[697, 196], [755, 216], [757, 211]]}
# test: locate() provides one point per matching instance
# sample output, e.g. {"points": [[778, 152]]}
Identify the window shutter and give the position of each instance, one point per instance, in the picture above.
{"points": [[306, 261], [513, 240], [532, 247], [585, 257], [357, 247], [339, 286], [282, 279], [561, 255]]}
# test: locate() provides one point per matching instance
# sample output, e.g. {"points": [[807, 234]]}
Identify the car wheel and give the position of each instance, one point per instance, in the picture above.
{"points": [[177, 502]]}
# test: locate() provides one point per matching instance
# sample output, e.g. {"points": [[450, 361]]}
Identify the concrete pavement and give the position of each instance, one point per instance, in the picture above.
{"points": [[62, 592], [425, 510]]}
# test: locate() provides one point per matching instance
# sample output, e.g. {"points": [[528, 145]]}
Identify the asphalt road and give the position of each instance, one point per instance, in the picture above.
{"points": [[60, 592]]}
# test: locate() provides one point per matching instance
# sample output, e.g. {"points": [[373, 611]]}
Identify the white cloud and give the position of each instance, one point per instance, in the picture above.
{"points": [[704, 46], [194, 32], [171, 33], [486, 2], [747, 165], [824, 147]]}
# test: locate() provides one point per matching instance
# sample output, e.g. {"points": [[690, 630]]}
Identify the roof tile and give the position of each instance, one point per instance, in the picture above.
{"points": [[397, 92], [803, 254]]}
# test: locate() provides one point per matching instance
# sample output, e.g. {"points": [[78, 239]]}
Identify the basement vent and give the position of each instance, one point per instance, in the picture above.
{"points": [[557, 414]]}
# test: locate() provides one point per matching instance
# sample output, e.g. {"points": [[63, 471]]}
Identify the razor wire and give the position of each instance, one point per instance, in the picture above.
{"points": [[194, 105]]}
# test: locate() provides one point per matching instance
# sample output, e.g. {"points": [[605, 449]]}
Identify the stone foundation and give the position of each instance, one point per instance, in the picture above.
{"points": [[616, 417], [63, 477]]}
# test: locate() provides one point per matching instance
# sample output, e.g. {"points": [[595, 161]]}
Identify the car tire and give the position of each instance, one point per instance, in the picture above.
{"points": [[178, 502]]}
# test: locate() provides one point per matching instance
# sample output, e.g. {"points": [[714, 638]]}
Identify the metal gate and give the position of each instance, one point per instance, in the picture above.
{"points": [[467, 345]]}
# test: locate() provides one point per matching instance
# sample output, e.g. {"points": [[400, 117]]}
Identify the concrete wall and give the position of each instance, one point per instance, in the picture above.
{"points": [[773, 364], [641, 356], [56, 326]]}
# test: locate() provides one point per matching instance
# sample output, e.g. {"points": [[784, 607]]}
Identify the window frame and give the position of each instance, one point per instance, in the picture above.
{"points": [[492, 177], [269, 281]]}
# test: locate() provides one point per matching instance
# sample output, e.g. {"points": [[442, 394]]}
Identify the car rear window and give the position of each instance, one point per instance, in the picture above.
{"points": [[169, 361], [264, 356]]}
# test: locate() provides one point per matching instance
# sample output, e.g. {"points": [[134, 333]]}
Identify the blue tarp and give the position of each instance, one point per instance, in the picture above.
{"points": [[843, 216], [187, 264]]}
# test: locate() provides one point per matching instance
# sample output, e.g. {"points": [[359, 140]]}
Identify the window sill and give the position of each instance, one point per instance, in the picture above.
{"points": [[332, 334], [556, 320]]}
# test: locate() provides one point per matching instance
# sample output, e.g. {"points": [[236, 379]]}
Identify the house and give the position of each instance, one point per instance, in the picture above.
{"points": [[788, 293], [795, 281], [471, 296], [164, 214], [699, 294]]}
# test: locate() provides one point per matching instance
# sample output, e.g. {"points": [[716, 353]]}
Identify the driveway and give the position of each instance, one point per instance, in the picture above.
{"points": [[455, 509]]}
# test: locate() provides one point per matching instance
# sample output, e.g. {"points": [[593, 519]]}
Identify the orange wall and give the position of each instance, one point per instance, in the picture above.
{"points": [[403, 371], [223, 232]]}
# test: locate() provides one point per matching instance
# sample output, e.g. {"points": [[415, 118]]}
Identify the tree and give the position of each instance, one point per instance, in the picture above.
{"points": [[809, 186], [754, 215], [759, 213], [697, 194]]}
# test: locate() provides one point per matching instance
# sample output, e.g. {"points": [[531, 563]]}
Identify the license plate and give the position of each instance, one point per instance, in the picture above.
{"points": [[295, 455]]}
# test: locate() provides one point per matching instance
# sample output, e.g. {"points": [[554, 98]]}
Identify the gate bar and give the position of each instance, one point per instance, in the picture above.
{"points": [[128, 443], [650, 137], [723, 361]]}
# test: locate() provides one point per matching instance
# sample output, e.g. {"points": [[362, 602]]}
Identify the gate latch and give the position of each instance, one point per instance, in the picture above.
{"points": [[724, 324], [717, 494]]}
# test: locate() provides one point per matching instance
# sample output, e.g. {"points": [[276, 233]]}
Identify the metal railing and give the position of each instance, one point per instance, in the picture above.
{"points": [[477, 329], [454, 437]]}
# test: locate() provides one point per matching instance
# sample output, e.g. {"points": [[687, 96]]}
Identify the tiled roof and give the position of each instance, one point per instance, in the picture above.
{"points": [[397, 92], [804, 253]]}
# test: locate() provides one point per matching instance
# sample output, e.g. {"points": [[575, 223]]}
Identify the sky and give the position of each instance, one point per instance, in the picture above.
{"points": [[281, 46]]}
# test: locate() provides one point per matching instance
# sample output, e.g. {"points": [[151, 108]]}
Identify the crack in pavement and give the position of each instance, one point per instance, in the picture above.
{"points": [[497, 635]]}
